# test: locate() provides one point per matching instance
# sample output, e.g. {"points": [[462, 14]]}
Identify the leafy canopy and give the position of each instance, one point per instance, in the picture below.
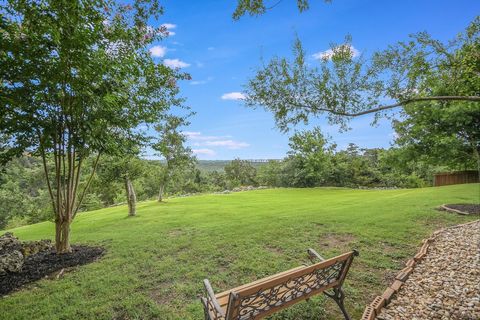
{"points": [[343, 85], [79, 71]]}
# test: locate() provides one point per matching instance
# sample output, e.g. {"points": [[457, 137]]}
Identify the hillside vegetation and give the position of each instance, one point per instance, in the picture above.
{"points": [[155, 262]]}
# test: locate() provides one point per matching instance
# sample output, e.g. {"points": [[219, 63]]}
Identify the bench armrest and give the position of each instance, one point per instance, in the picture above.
{"points": [[312, 255], [211, 300]]}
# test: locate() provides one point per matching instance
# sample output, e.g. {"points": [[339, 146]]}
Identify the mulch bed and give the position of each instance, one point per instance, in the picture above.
{"points": [[42, 264], [464, 208]]}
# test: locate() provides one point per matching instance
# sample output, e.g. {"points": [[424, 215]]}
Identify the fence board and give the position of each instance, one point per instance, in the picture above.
{"points": [[458, 177]]}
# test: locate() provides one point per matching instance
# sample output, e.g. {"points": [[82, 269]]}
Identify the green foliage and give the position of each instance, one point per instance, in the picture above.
{"points": [[22, 192], [344, 86], [258, 7], [313, 162], [155, 264], [446, 135], [115, 168], [92, 202], [85, 71], [309, 159], [170, 145], [270, 174], [240, 173]]}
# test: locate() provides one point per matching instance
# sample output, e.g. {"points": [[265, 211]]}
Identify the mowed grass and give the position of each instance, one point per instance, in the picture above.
{"points": [[155, 262]]}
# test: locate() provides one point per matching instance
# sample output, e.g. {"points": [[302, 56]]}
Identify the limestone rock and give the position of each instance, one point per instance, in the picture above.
{"points": [[11, 257], [33, 247]]}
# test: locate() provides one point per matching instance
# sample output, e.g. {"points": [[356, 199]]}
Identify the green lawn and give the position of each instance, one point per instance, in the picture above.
{"points": [[155, 262]]}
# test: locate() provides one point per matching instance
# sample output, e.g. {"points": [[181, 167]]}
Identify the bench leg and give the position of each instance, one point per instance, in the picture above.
{"points": [[205, 308], [338, 296]]}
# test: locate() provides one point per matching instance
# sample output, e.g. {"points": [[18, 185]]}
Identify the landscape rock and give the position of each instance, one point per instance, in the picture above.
{"points": [[13, 252], [445, 283], [11, 257], [33, 247]]}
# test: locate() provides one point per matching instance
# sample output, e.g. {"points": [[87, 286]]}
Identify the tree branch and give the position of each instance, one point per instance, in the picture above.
{"points": [[396, 105], [45, 170], [86, 186]]}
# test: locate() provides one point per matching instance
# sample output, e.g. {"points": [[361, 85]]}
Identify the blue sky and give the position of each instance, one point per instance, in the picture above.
{"points": [[220, 54]]}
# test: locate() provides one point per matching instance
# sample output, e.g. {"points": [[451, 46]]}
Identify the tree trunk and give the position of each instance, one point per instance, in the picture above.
{"points": [[160, 192], [62, 236], [131, 197], [476, 154]]}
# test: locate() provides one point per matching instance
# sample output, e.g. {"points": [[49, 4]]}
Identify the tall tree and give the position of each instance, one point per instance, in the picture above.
{"points": [[241, 172], [124, 169], [346, 86], [77, 80], [170, 145], [309, 158], [448, 136], [449, 132]]}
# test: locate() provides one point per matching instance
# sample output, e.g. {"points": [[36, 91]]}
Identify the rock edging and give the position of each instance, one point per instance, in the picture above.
{"points": [[374, 308]]}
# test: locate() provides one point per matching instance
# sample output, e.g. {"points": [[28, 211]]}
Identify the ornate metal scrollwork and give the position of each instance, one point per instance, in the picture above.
{"points": [[266, 299]]}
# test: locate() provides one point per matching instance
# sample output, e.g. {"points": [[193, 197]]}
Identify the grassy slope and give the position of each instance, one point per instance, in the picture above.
{"points": [[157, 260]]}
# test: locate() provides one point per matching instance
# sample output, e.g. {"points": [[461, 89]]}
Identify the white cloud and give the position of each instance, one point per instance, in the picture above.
{"points": [[196, 135], [191, 133], [211, 48], [327, 54], [169, 27], [206, 152], [175, 63], [200, 140], [233, 96], [229, 144], [158, 51], [198, 82]]}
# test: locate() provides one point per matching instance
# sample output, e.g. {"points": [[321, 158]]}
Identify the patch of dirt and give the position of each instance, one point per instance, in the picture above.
{"points": [[466, 208], [42, 264], [160, 294], [337, 240], [274, 249], [176, 232]]}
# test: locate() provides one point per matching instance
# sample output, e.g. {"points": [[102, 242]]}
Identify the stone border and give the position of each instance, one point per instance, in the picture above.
{"points": [[445, 208], [375, 307]]}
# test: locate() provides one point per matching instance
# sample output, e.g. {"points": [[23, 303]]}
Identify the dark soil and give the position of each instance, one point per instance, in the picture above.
{"points": [[465, 207], [42, 264]]}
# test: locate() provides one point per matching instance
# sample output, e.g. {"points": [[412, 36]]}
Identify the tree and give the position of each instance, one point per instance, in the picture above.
{"points": [[270, 174], [241, 172], [77, 81], [448, 132], [449, 135], [258, 7], [309, 158], [346, 86], [125, 169], [170, 144]]}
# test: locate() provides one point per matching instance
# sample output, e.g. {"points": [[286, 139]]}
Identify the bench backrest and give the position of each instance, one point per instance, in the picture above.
{"points": [[258, 301]]}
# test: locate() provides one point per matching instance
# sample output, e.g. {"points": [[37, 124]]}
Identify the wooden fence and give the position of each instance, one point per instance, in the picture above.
{"points": [[458, 177]]}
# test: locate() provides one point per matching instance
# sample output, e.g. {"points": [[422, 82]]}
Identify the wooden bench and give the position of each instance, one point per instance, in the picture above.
{"points": [[263, 297]]}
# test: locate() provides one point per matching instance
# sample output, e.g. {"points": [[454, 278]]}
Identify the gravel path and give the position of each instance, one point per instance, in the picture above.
{"points": [[445, 284]]}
